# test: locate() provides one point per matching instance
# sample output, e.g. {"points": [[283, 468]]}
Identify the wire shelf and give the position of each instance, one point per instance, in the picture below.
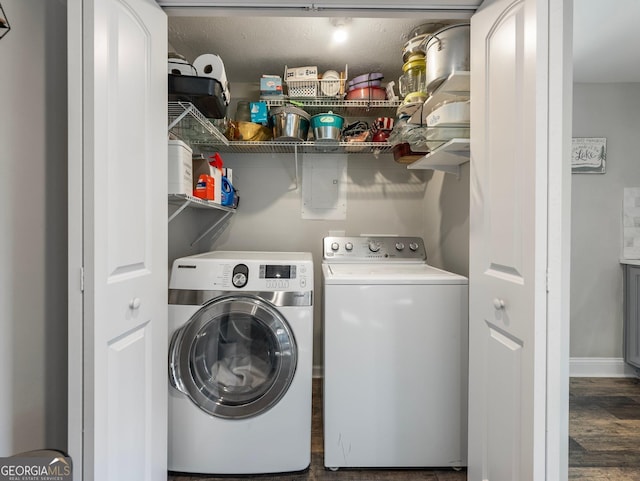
{"points": [[180, 199], [187, 123], [288, 147]]}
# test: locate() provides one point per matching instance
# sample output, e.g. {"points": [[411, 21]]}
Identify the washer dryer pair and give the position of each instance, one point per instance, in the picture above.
{"points": [[240, 362]]}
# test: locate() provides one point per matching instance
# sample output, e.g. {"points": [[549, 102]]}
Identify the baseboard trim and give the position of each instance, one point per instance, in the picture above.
{"points": [[600, 367]]}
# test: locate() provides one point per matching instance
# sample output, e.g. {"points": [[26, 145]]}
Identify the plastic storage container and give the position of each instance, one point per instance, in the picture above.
{"points": [[180, 168], [203, 92], [414, 77]]}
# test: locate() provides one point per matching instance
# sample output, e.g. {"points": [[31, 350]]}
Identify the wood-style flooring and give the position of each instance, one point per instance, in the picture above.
{"points": [[604, 429], [604, 440]]}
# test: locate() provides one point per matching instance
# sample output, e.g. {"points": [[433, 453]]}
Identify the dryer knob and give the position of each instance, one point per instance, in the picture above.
{"points": [[413, 246], [239, 280], [374, 246], [240, 275], [348, 246], [335, 246], [399, 246]]}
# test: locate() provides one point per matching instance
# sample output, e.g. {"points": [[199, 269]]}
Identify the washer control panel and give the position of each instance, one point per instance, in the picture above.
{"points": [[374, 249]]}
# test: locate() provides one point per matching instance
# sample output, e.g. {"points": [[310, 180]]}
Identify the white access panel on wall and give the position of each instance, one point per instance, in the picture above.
{"points": [[324, 187]]}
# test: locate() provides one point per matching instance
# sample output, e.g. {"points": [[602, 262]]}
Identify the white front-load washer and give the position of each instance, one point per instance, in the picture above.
{"points": [[395, 356], [240, 362]]}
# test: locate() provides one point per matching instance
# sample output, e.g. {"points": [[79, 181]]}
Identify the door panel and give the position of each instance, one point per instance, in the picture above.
{"points": [[507, 294], [130, 375], [129, 163], [503, 385], [504, 111], [120, 109]]}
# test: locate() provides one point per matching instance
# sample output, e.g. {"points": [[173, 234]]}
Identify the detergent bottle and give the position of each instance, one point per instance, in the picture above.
{"points": [[215, 170], [228, 193], [204, 187]]}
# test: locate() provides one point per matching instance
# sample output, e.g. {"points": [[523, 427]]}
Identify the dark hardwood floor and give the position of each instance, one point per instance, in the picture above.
{"points": [[604, 440], [604, 429]]}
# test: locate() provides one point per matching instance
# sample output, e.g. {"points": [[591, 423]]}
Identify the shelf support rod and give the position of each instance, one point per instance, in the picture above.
{"points": [[181, 116], [226, 214], [296, 161], [182, 207]]}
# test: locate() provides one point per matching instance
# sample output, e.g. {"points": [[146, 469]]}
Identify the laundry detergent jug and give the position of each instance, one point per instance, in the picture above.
{"points": [[228, 193]]}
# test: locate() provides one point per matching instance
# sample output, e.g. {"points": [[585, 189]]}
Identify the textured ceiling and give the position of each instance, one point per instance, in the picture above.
{"points": [[606, 40], [252, 46]]}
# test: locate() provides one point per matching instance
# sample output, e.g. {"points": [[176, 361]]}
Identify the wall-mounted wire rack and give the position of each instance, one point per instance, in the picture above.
{"points": [[188, 124]]}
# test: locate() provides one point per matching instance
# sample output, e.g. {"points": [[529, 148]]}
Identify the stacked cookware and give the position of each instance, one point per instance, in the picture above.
{"points": [[432, 53]]}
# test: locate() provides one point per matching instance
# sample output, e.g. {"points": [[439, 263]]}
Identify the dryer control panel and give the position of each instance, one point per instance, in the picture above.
{"points": [[374, 249], [232, 271], [272, 276]]}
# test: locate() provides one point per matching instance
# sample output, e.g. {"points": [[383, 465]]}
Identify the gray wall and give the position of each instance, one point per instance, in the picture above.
{"points": [[611, 111], [33, 243]]}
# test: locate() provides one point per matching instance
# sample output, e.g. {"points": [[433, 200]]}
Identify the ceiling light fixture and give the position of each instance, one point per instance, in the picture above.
{"points": [[340, 29]]}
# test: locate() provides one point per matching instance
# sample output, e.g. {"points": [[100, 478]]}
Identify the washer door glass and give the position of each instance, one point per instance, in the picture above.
{"points": [[235, 357]]}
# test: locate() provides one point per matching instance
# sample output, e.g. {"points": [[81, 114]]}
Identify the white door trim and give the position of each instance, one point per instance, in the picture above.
{"points": [[559, 236], [75, 348]]}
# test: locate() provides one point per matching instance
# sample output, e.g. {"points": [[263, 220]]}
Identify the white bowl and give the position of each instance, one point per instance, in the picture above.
{"points": [[452, 114], [330, 83]]}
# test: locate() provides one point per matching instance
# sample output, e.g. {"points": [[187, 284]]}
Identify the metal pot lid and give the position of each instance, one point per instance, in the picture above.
{"points": [[329, 113], [416, 44], [449, 27], [289, 109], [426, 28]]}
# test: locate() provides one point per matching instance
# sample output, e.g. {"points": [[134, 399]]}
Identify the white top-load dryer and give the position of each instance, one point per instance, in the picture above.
{"points": [[395, 356], [240, 362]]}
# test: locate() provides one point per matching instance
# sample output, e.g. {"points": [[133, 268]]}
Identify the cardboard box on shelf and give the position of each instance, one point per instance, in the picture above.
{"points": [[271, 85], [302, 73]]}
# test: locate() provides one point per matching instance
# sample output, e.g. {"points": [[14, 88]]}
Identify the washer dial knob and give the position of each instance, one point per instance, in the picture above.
{"points": [[374, 246], [413, 246], [335, 246], [348, 246], [399, 246]]}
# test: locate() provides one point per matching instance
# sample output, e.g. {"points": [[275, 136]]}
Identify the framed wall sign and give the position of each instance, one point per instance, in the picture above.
{"points": [[588, 155]]}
